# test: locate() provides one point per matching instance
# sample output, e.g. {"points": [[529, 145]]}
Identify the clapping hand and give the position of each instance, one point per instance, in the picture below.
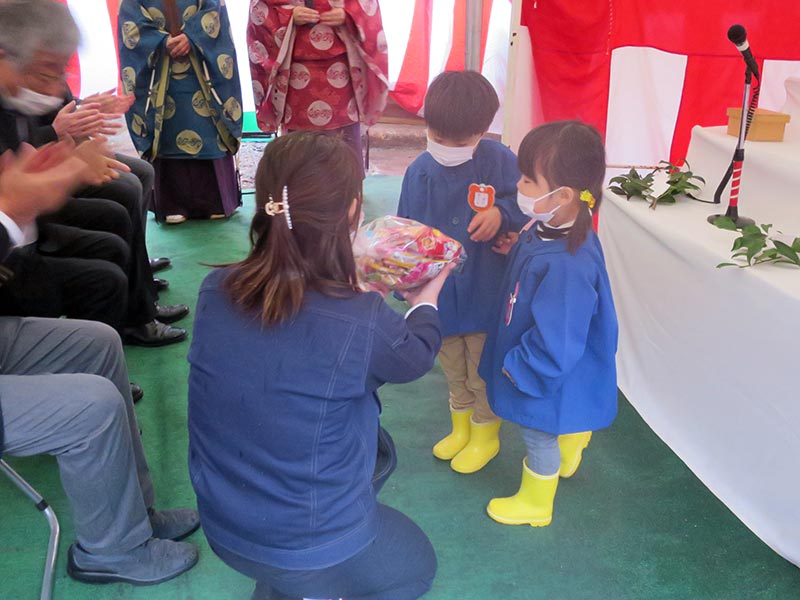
{"points": [[39, 181], [84, 121], [111, 104], [102, 168]]}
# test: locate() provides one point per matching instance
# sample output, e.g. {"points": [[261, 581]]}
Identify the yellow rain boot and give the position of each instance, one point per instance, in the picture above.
{"points": [[452, 444], [531, 505], [483, 446], [572, 445]]}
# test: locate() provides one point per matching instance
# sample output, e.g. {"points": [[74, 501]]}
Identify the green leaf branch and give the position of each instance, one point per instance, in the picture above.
{"points": [[679, 183], [756, 247]]}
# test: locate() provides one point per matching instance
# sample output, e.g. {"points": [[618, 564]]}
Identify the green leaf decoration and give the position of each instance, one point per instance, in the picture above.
{"points": [[786, 251], [755, 247], [725, 223], [634, 185]]}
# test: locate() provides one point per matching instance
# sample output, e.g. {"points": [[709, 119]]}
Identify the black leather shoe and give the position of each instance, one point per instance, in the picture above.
{"points": [[161, 284], [171, 312], [154, 333], [159, 264], [136, 392]]}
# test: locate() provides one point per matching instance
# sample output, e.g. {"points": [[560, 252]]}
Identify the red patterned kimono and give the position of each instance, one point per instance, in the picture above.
{"points": [[316, 76]]}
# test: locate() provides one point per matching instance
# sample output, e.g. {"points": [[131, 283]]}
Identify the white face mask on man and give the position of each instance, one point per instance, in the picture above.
{"points": [[449, 156], [32, 104], [528, 206]]}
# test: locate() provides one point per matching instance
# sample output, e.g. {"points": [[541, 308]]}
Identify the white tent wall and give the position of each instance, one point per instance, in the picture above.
{"points": [[97, 47], [521, 106]]}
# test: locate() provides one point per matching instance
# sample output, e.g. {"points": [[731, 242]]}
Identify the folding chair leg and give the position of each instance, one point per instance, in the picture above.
{"points": [[48, 579]]}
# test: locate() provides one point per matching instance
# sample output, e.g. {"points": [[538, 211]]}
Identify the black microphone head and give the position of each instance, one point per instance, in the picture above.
{"points": [[737, 35]]}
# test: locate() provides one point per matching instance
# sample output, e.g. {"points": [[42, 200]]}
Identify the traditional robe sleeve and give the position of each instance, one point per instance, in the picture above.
{"points": [[368, 55], [267, 43], [209, 30], [142, 38], [562, 306]]}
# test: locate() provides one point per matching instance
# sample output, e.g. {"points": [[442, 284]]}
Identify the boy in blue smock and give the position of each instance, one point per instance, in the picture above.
{"points": [[549, 359], [465, 186]]}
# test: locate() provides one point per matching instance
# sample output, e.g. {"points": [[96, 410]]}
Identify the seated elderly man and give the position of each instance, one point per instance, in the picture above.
{"points": [[39, 41], [64, 391]]}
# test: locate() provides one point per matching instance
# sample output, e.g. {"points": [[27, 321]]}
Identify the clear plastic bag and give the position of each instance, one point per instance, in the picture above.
{"points": [[396, 254]]}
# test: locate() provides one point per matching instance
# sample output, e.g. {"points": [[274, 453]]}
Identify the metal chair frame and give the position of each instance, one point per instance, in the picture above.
{"points": [[48, 578]]}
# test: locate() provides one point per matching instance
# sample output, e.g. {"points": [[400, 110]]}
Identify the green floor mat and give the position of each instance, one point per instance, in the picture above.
{"points": [[633, 523]]}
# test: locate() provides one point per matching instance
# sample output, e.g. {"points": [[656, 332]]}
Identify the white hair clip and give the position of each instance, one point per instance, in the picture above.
{"points": [[273, 208]]}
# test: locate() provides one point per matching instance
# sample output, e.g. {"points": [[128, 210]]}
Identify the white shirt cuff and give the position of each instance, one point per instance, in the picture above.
{"points": [[413, 308], [15, 234]]}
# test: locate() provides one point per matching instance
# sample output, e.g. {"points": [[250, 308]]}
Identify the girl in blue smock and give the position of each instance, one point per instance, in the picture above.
{"points": [[549, 360]]}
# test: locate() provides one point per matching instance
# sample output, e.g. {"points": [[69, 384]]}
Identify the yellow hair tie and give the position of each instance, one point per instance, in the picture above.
{"points": [[586, 196]]}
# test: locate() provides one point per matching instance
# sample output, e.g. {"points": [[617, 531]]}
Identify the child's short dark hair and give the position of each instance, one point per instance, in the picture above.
{"points": [[460, 104], [569, 154]]}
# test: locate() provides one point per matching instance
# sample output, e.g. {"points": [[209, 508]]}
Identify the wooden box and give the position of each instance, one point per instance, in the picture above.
{"points": [[768, 125]]}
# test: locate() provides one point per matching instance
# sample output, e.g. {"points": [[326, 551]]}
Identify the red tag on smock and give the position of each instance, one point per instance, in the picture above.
{"points": [[481, 197]]}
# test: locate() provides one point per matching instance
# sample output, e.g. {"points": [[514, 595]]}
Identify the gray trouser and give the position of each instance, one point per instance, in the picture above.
{"points": [[64, 391]]}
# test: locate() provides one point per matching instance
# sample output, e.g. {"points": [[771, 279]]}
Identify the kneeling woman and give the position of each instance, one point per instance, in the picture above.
{"points": [[283, 413]]}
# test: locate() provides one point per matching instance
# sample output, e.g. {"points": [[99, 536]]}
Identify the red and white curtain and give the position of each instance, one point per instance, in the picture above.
{"points": [[644, 73]]}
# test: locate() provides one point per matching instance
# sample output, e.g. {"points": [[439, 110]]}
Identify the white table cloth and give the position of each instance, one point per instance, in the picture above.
{"points": [[770, 190], [710, 357]]}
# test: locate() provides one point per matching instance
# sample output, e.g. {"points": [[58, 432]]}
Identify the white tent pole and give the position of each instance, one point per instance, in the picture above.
{"points": [[474, 29], [511, 79]]}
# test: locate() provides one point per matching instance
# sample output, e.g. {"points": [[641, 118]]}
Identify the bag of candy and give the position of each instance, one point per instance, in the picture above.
{"points": [[396, 254]]}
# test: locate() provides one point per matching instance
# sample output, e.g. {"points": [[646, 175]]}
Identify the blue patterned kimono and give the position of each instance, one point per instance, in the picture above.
{"points": [[190, 107]]}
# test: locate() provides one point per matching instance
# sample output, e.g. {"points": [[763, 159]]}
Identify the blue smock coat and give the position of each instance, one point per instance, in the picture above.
{"points": [[555, 335], [437, 196]]}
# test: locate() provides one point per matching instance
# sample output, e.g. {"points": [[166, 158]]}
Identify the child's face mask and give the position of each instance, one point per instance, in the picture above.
{"points": [[528, 206], [449, 156]]}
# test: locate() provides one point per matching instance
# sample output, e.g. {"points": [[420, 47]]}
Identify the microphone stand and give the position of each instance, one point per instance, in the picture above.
{"points": [[735, 167]]}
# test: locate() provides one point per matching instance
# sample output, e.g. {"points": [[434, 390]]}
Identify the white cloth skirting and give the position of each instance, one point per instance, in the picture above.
{"points": [[710, 357]]}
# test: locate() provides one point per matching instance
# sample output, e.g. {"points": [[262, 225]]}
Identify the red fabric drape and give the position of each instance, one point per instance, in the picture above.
{"points": [[572, 44], [414, 73], [412, 82], [457, 58]]}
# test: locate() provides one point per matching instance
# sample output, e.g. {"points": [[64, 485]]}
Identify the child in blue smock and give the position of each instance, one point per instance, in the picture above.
{"points": [[465, 186], [549, 359]]}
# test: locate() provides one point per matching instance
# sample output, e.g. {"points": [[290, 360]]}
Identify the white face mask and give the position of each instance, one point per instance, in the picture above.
{"points": [[448, 156], [528, 206], [32, 104]]}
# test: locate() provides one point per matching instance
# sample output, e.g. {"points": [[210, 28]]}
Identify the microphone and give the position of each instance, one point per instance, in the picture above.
{"points": [[738, 36]]}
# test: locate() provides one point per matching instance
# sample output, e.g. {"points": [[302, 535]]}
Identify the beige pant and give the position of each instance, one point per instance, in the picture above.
{"points": [[459, 358]]}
